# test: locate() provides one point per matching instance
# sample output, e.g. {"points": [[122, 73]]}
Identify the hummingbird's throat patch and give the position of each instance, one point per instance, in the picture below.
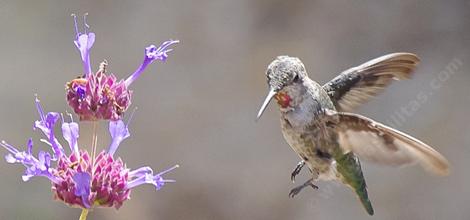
{"points": [[283, 99]]}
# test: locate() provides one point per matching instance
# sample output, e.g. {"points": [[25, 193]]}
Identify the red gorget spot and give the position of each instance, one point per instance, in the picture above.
{"points": [[283, 99]]}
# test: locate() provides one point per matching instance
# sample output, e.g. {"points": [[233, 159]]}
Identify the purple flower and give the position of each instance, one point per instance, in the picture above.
{"points": [[145, 175], [46, 125], [82, 182], [78, 179], [34, 166], [151, 53], [119, 132], [70, 133], [98, 96], [89, 179], [84, 42]]}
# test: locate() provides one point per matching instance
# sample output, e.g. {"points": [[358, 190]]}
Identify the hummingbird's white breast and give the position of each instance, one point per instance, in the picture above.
{"points": [[305, 130]]}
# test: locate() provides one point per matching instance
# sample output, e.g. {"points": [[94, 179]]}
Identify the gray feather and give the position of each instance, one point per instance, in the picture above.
{"points": [[378, 143], [358, 84]]}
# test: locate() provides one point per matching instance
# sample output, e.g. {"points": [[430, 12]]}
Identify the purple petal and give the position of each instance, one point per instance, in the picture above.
{"points": [[158, 182], [145, 175], [40, 167], [82, 186], [10, 158], [84, 42], [81, 92], [26, 177], [44, 160], [51, 118], [151, 53], [70, 131], [119, 132], [34, 166], [16, 156], [39, 108], [140, 171], [30, 146], [46, 125]]}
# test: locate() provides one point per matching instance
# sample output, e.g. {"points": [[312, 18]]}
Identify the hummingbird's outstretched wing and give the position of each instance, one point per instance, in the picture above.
{"points": [[378, 143], [358, 84]]}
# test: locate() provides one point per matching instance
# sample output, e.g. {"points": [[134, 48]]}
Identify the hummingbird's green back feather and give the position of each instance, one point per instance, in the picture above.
{"points": [[349, 167]]}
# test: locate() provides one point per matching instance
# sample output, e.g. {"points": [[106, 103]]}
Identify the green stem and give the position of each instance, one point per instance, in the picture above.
{"points": [[84, 214]]}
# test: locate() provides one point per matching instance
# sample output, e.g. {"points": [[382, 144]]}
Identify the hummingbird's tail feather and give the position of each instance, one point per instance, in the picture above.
{"points": [[378, 143], [349, 168]]}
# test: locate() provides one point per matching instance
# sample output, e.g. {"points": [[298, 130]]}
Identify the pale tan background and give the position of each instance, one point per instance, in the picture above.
{"points": [[198, 108]]}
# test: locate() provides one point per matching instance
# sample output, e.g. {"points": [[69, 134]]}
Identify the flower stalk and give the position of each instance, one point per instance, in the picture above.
{"points": [[84, 214], [79, 179], [94, 142]]}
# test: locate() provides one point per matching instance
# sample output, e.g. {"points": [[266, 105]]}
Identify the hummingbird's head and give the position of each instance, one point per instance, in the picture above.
{"points": [[283, 72]]}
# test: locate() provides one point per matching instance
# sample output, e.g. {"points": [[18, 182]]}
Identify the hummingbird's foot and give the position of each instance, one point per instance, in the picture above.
{"points": [[297, 170], [297, 189]]}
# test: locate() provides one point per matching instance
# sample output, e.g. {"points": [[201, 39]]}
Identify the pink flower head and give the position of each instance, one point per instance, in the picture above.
{"points": [[78, 179], [98, 96], [84, 187]]}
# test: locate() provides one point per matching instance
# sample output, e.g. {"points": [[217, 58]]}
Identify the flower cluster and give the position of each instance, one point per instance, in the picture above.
{"points": [[97, 96], [79, 178]]}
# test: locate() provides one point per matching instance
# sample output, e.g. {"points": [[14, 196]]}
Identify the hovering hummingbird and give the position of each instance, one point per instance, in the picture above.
{"points": [[316, 122]]}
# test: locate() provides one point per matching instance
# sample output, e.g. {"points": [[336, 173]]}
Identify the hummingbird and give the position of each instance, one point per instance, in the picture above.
{"points": [[316, 121]]}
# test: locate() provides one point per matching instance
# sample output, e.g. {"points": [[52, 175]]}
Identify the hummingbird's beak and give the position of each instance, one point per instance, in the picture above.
{"points": [[265, 103]]}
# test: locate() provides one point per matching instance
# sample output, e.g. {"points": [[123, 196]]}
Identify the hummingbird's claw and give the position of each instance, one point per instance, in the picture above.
{"points": [[297, 189], [297, 170]]}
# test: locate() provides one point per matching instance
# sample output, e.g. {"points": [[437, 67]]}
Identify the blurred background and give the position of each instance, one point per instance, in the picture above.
{"points": [[198, 108]]}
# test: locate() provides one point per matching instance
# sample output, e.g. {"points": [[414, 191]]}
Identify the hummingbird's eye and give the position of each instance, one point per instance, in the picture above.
{"points": [[296, 78], [268, 73]]}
